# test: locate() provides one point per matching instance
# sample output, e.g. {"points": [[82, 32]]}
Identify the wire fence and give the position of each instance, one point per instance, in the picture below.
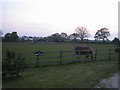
{"points": [[63, 57]]}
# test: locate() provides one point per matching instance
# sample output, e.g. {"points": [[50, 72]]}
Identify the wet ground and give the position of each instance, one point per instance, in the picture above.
{"points": [[111, 82]]}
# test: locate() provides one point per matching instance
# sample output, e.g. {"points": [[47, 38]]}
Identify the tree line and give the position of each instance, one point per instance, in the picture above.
{"points": [[81, 34]]}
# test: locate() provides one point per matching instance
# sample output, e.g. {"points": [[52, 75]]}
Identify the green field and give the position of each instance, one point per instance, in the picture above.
{"points": [[53, 50], [76, 75]]}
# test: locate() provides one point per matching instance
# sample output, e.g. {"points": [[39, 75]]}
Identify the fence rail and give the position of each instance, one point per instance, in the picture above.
{"points": [[61, 58]]}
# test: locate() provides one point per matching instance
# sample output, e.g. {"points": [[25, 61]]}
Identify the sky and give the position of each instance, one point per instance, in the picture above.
{"points": [[45, 17]]}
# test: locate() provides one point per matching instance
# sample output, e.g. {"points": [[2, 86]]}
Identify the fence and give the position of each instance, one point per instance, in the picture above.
{"points": [[63, 57]]}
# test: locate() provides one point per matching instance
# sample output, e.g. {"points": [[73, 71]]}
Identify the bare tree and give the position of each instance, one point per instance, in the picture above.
{"points": [[82, 32], [103, 34]]}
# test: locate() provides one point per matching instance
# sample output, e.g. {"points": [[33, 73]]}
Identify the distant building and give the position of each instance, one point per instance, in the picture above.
{"points": [[31, 39]]}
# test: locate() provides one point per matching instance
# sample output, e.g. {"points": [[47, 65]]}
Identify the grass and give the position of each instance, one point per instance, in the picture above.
{"points": [[29, 48], [77, 75]]}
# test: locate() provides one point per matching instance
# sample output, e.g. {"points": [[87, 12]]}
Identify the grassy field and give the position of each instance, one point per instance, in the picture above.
{"points": [[76, 75], [53, 50]]}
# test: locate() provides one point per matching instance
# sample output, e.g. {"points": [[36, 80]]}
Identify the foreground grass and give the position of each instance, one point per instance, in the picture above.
{"points": [[77, 75]]}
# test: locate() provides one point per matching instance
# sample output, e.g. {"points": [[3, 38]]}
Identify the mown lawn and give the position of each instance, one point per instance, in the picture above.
{"points": [[76, 75]]}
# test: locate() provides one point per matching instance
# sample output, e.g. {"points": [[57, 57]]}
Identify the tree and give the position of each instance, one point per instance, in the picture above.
{"points": [[64, 35], [43, 39], [73, 36], [58, 37], [82, 32], [14, 36], [12, 65], [11, 36], [54, 37], [103, 34], [116, 39], [7, 37]]}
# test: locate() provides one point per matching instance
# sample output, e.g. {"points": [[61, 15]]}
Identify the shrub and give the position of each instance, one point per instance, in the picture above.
{"points": [[12, 65]]}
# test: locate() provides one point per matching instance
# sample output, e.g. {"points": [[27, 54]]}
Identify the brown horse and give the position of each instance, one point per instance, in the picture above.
{"points": [[83, 50]]}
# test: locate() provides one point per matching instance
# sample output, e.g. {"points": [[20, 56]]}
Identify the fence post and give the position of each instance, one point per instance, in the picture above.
{"points": [[61, 52], [118, 51], [37, 60], [79, 55], [96, 54], [109, 54], [119, 57]]}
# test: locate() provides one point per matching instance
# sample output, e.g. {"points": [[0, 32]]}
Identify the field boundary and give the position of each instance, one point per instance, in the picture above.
{"points": [[61, 57]]}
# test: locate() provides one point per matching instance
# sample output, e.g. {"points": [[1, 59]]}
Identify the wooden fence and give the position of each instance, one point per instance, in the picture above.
{"points": [[60, 57]]}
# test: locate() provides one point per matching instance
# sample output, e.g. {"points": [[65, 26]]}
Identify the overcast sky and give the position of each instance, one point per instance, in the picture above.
{"points": [[45, 17]]}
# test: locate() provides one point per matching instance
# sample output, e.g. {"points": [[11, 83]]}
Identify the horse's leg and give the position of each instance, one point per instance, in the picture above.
{"points": [[86, 57], [74, 55], [93, 56]]}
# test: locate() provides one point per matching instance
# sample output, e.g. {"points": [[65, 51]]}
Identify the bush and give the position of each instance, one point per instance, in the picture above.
{"points": [[12, 65]]}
